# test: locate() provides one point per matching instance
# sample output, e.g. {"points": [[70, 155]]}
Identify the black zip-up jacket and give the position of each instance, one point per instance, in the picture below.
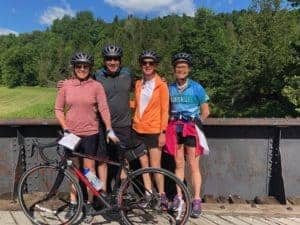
{"points": [[117, 89]]}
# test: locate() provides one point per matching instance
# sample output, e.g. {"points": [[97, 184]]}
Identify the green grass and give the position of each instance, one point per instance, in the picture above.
{"points": [[27, 102]]}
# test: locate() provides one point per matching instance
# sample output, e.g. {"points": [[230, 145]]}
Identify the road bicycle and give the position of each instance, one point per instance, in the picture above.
{"points": [[43, 190]]}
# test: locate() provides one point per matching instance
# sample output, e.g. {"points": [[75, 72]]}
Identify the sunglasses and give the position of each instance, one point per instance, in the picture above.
{"points": [[112, 59], [80, 66], [145, 63]]}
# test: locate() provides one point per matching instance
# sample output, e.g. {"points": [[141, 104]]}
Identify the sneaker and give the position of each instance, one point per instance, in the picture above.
{"points": [[145, 201], [88, 213], [196, 208], [71, 211], [177, 204], [163, 202]]}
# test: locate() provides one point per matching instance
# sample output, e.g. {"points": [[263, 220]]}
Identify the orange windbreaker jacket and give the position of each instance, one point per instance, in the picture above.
{"points": [[155, 117]]}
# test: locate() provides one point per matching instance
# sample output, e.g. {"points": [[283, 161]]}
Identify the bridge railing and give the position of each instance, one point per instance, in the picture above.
{"points": [[248, 157]]}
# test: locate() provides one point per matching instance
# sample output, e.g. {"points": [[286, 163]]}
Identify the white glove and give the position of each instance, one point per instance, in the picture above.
{"points": [[110, 135], [66, 132]]}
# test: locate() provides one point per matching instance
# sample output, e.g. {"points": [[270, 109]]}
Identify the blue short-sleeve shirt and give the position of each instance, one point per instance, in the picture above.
{"points": [[187, 102]]}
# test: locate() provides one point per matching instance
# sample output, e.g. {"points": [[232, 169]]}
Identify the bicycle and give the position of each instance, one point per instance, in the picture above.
{"points": [[47, 201]]}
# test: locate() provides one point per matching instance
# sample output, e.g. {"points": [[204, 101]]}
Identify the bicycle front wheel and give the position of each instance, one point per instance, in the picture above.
{"points": [[141, 205], [44, 195]]}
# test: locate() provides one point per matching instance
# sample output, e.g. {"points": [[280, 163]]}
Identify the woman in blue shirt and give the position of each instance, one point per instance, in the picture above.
{"points": [[188, 108]]}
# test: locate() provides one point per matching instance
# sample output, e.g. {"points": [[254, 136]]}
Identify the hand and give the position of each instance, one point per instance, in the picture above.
{"points": [[66, 132], [162, 139], [110, 135]]}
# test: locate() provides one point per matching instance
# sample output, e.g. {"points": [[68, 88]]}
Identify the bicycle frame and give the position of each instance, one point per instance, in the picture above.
{"points": [[74, 170]]}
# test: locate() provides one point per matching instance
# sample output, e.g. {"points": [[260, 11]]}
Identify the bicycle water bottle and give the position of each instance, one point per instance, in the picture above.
{"points": [[96, 182]]}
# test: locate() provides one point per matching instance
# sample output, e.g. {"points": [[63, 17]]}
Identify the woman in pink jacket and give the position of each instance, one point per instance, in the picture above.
{"points": [[77, 105]]}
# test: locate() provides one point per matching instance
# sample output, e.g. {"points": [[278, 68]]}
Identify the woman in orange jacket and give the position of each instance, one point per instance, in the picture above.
{"points": [[151, 118]]}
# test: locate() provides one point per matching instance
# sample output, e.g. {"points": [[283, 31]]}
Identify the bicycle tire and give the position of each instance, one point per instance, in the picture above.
{"points": [[44, 203], [132, 192]]}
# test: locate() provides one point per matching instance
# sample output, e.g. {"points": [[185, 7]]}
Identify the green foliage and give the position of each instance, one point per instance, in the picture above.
{"points": [[247, 60]]}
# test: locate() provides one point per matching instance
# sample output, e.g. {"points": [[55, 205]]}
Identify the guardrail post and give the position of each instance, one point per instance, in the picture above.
{"points": [[276, 185], [20, 165]]}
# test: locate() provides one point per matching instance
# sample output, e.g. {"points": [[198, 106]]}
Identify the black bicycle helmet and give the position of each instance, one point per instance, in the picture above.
{"points": [[182, 57], [81, 57], [149, 54], [112, 51]]}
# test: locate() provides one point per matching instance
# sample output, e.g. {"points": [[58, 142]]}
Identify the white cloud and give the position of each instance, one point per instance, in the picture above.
{"points": [[163, 7], [4, 31], [55, 12]]}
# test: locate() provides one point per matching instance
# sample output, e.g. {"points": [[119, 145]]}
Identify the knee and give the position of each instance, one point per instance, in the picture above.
{"points": [[144, 160], [179, 163], [155, 164], [194, 167]]}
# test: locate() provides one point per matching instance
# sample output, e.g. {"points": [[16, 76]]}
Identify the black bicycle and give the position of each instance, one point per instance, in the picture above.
{"points": [[43, 191]]}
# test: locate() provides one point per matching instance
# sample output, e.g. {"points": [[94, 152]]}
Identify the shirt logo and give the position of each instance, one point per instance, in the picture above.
{"points": [[187, 99]]}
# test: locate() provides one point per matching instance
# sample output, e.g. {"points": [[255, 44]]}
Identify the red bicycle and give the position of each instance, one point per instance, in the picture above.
{"points": [[43, 191]]}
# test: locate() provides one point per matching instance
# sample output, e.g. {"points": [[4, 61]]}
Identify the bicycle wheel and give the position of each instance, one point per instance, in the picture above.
{"points": [[44, 195], [133, 194]]}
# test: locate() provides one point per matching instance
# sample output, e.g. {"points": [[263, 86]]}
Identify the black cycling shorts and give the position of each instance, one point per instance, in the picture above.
{"points": [[189, 141], [87, 145], [150, 140]]}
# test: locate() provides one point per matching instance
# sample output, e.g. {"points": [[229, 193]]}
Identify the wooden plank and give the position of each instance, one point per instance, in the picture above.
{"points": [[6, 218], [234, 220], [269, 220], [216, 219], [20, 218], [272, 221], [286, 221], [297, 219], [204, 221], [100, 220], [254, 220], [294, 200]]}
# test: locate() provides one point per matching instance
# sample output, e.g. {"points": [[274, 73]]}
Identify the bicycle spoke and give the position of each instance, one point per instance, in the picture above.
{"points": [[146, 206], [47, 198]]}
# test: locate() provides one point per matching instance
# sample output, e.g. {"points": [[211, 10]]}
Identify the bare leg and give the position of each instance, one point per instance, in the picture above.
{"points": [[155, 161], [73, 194], [194, 162], [179, 162], [144, 160], [102, 173]]}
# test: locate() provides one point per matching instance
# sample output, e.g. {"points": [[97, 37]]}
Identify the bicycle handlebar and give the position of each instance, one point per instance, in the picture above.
{"points": [[128, 152], [41, 147]]}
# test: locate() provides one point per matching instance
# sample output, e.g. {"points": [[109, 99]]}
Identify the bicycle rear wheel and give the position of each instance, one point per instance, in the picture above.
{"points": [[44, 195], [133, 194]]}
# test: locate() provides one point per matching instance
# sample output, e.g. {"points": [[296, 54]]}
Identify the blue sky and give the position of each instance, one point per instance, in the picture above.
{"points": [[19, 16]]}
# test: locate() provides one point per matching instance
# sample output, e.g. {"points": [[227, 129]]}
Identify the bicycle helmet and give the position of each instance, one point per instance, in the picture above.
{"points": [[81, 57], [149, 54], [182, 57], [112, 51]]}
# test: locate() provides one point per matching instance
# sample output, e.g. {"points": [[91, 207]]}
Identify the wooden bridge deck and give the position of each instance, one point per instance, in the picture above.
{"points": [[213, 214]]}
